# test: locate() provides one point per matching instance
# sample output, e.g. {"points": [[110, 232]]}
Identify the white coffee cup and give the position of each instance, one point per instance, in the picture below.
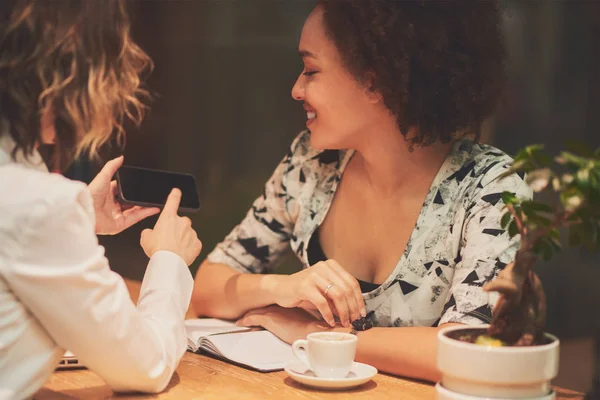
{"points": [[327, 354]]}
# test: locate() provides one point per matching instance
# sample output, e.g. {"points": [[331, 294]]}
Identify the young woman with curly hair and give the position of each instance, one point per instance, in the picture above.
{"points": [[69, 74], [388, 200]]}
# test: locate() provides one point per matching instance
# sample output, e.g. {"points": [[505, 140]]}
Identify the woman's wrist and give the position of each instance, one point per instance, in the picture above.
{"points": [[341, 329], [270, 286], [322, 326]]}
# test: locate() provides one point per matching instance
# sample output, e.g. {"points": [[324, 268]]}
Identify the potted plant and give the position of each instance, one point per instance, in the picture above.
{"points": [[513, 357]]}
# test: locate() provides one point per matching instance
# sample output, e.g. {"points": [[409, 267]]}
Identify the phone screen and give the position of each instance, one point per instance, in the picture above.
{"points": [[150, 187]]}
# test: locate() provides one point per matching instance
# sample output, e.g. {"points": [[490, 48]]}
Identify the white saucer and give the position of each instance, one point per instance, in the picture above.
{"points": [[445, 394], [359, 374]]}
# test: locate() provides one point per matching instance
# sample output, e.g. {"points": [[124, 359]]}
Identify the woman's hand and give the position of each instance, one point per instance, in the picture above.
{"points": [[327, 286], [110, 216], [288, 324], [172, 233]]}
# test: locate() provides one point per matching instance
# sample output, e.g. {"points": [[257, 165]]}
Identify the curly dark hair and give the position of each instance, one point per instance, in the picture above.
{"points": [[438, 64], [74, 60]]}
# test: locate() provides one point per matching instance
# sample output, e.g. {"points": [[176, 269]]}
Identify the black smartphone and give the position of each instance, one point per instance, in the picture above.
{"points": [[150, 188]]}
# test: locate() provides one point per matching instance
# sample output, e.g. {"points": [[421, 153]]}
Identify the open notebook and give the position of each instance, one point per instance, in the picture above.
{"points": [[259, 350]]}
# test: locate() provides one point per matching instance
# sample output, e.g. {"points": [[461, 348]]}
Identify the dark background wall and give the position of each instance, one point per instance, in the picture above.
{"points": [[223, 112], [554, 96]]}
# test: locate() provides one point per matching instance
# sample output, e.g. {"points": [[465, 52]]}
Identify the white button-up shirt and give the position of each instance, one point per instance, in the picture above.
{"points": [[58, 292]]}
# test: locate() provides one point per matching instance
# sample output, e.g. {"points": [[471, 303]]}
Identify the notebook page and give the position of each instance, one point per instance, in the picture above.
{"points": [[260, 350], [198, 328]]}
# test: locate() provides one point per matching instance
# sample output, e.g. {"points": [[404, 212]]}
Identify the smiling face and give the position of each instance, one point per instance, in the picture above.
{"points": [[338, 108]]}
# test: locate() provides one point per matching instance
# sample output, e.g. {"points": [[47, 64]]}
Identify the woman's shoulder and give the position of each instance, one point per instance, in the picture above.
{"points": [[34, 195], [470, 161], [482, 167]]}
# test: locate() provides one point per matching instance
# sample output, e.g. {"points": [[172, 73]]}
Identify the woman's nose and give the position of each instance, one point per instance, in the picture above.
{"points": [[298, 89]]}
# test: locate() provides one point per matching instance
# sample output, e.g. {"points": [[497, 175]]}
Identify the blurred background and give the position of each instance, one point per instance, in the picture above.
{"points": [[222, 111]]}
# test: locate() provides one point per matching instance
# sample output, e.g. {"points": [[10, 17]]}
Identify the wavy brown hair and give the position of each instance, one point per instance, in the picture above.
{"points": [[71, 60], [438, 64]]}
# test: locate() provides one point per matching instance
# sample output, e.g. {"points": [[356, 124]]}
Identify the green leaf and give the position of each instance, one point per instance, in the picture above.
{"points": [[542, 159], [526, 153], [539, 220], [572, 198], [532, 212], [509, 198], [526, 167], [556, 184], [520, 156], [567, 179], [566, 158], [531, 157], [543, 248], [533, 149], [538, 179], [554, 239], [512, 229], [583, 176], [506, 218], [518, 166], [597, 152], [537, 206]]}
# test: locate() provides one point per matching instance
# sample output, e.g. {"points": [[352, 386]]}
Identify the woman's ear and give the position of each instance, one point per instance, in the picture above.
{"points": [[369, 84]]}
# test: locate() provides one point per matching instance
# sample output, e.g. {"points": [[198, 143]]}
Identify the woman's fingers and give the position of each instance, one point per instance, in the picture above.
{"points": [[113, 189], [351, 289], [330, 289], [110, 168], [334, 288], [323, 306], [136, 214], [315, 294], [341, 296]]}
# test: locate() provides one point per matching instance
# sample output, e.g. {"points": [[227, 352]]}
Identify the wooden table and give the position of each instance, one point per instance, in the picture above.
{"points": [[203, 377]]}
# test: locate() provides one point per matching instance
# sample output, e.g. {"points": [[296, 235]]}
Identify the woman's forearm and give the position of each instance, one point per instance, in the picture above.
{"points": [[405, 351], [221, 292]]}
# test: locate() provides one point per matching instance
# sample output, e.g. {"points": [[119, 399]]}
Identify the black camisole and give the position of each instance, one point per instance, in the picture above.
{"points": [[315, 254]]}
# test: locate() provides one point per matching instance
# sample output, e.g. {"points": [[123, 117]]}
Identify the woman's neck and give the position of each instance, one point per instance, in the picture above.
{"points": [[386, 163], [47, 129]]}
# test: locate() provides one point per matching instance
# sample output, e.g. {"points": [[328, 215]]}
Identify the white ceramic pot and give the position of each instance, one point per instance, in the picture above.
{"points": [[444, 394], [496, 372]]}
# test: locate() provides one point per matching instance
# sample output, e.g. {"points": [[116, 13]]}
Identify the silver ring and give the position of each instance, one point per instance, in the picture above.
{"points": [[327, 289]]}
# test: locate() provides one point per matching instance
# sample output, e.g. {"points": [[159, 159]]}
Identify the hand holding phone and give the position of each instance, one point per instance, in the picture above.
{"points": [[112, 217], [172, 233]]}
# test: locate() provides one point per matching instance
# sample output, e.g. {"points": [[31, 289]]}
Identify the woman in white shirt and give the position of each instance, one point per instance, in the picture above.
{"points": [[69, 72]]}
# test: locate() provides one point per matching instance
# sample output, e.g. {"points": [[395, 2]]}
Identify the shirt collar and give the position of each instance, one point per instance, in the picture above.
{"points": [[7, 145]]}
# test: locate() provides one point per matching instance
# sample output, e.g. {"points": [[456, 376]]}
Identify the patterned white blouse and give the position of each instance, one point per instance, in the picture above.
{"points": [[456, 246]]}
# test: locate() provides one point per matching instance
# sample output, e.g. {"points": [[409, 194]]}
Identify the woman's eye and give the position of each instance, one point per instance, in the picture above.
{"points": [[309, 73]]}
